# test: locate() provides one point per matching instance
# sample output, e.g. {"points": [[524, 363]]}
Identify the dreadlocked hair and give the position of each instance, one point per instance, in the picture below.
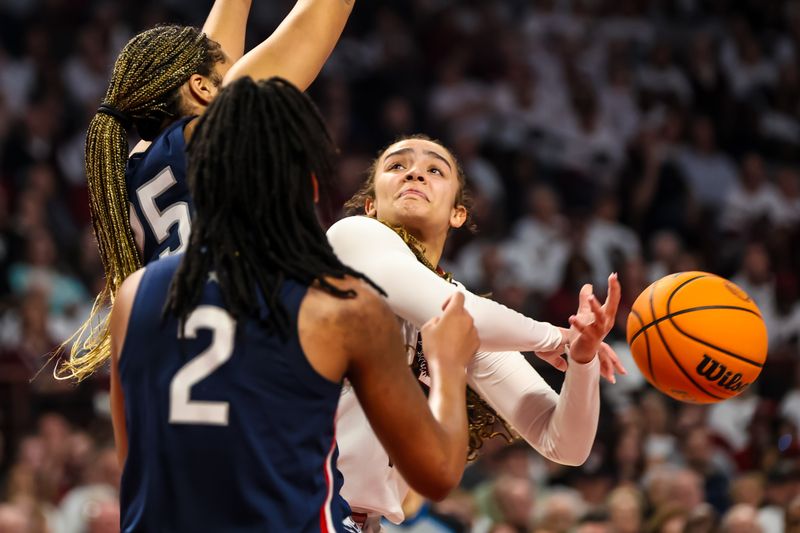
{"points": [[144, 89], [252, 164], [356, 204]]}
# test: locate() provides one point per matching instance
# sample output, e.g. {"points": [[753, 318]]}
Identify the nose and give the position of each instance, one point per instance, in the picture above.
{"points": [[411, 177]]}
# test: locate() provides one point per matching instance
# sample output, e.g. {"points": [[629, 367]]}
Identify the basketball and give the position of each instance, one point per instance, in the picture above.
{"points": [[697, 337]]}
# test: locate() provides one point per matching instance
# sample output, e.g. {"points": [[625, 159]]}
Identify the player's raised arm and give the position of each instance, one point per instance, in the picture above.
{"points": [[226, 24], [299, 47]]}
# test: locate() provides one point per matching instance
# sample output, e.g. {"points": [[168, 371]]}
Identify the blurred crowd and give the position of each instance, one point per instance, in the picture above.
{"points": [[638, 136]]}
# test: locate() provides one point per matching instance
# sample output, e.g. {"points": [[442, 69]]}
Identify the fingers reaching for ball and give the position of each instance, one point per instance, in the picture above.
{"points": [[593, 327]]}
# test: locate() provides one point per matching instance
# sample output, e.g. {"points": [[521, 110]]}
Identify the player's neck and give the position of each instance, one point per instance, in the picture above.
{"points": [[433, 249], [428, 249], [432, 244]]}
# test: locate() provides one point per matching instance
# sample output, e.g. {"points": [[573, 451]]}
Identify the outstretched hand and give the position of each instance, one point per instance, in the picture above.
{"points": [[593, 327], [585, 317]]}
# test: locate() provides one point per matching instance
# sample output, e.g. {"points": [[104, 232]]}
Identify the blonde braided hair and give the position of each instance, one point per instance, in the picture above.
{"points": [[144, 89]]}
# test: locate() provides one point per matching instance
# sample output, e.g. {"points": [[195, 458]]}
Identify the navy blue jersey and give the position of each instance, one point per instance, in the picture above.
{"points": [[230, 429], [159, 194]]}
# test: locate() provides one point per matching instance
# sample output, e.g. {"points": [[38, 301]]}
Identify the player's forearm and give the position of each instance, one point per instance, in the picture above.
{"points": [[566, 434], [226, 24], [432, 462], [447, 401], [299, 47], [560, 427], [501, 328]]}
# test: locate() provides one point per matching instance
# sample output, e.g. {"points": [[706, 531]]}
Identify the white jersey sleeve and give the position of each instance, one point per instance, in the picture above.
{"points": [[561, 427], [416, 294]]}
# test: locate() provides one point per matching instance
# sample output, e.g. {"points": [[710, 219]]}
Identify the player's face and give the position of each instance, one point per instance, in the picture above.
{"points": [[416, 184]]}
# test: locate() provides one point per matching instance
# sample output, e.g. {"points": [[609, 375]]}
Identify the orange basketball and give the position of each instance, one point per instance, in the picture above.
{"points": [[697, 337]]}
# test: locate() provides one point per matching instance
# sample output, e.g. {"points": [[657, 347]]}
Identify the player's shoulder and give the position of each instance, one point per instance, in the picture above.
{"points": [[127, 291], [358, 224], [358, 300], [122, 308], [353, 237], [350, 322]]}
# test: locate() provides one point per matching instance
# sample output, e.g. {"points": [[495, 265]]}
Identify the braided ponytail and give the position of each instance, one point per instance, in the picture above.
{"points": [[144, 92]]}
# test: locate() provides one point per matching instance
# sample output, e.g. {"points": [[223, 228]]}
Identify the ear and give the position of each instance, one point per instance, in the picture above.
{"points": [[458, 215], [201, 89], [369, 208]]}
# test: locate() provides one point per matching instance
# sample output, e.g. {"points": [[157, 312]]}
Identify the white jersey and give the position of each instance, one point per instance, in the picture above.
{"points": [[561, 427]]}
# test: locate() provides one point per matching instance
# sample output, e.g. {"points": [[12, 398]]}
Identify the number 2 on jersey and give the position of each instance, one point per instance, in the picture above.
{"points": [[162, 221], [182, 409]]}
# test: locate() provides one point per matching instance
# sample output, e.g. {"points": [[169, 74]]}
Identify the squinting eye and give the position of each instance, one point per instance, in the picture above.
{"points": [[396, 166], [437, 171]]}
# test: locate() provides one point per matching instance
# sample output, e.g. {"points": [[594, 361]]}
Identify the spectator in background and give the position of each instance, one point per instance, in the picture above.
{"points": [[608, 244], [458, 102], [103, 517], [539, 248], [701, 455], [707, 83], [791, 518], [522, 110], [749, 74], [786, 213], [657, 187], [710, 173], [95, 494], [741, 518], [514, 499], [86, 74], [625, 510], [39, 272], [560, 511], [668, 519], [662, 78], [752, 200], [594, 522], [758, 281], [618, 100]]}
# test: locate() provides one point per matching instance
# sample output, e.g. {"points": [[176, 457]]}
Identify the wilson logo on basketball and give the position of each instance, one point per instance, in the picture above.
{"points": [[718, 373]]}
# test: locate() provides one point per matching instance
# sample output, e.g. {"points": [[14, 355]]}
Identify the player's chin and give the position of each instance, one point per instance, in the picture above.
{"points": [[413, 211]]}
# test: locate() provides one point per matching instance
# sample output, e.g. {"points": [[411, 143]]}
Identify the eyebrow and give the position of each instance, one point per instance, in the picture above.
{"points": [[403, 151]]}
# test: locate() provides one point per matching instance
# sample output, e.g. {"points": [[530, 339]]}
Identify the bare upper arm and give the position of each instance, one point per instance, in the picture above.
{"points": [[121, 311], [331, 328], [120, 316]]}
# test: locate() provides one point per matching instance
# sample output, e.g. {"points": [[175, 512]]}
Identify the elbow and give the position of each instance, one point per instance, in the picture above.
{"points": [[572, 457], [440, 493], [574, 461], [437, 483], [437, 489]]}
